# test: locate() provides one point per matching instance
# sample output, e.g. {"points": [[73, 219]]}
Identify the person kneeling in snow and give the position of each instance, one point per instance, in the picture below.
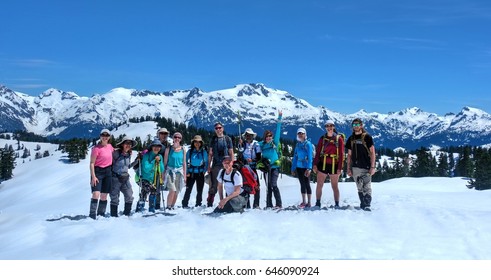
{"points": [[236, 198]]}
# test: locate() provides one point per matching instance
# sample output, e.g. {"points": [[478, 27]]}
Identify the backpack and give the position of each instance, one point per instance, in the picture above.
{"points": [[214, 145], [362, 141], [325, 143], [249, 177], [202, 166]]}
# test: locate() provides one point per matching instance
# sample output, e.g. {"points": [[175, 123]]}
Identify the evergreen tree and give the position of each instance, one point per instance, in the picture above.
{"points": [[465, 166], [38, 155], [422, 166], [7, 163], [443, 169], [26, 153], [482, 180]]}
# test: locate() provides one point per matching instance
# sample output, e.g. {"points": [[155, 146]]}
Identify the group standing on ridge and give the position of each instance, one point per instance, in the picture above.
{"points": [[167, 165]]}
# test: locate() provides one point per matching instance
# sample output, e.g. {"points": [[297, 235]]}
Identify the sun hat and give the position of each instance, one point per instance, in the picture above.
{"points": [[155, 142], [163, 130], [126, 138], [105, 130], [197, 138], [249, 131]]}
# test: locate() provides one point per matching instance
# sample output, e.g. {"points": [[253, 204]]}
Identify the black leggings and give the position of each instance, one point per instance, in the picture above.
{"points": [[304, 181]]}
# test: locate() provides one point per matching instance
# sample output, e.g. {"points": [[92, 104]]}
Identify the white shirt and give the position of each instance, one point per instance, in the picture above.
{"points": [[227, 181]]}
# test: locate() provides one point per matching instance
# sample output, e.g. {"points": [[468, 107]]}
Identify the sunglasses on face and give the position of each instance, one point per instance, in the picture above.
{"points": [[269, 136], [356, 124], [163, 133], [300, 133], [177, 137], [218, 128], [127, 143], [105, 135], [329, 125]]}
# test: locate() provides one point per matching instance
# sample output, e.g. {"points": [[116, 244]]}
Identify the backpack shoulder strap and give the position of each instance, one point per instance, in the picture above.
{"points": [[231, 176]]}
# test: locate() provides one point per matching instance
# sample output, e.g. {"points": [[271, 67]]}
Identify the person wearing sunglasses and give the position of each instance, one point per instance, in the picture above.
{"points": [[220, 147], [249, 154], [197, 162], [175, 170], [361, 162], [101, 159], [270, 164], [329, 159]]}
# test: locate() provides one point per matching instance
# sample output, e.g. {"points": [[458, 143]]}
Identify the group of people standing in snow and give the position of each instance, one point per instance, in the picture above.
{"points": [[166, 166], [328, 160]]}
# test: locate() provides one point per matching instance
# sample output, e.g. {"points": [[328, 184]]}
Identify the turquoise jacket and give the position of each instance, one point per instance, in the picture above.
{"points": [[269, 150], [148, 166]]}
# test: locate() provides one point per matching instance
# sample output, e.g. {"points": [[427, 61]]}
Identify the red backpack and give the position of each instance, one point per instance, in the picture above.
{"points": [[249, 177]]}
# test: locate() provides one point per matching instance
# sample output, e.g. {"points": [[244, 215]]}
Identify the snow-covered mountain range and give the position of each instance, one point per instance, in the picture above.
{"points": [[65, 114]]}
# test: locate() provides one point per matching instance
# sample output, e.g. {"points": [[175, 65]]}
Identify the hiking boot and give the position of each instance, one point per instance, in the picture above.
{"points": [[367, 208], [318, 204], [308, 205], [302, 205], [114, 210], [127, 208], [101, 209], [277, 208], [93, 208]]}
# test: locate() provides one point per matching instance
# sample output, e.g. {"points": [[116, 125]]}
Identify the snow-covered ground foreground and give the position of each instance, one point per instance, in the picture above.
{"points": [[412, 219]]}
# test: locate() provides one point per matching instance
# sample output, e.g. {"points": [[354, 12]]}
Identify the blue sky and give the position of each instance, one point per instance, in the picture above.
{"points": [[380, 56]]}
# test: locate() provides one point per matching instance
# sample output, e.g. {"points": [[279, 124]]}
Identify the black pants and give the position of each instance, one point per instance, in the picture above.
{"points": [[199, 178], [304, 181], [272, 185]]}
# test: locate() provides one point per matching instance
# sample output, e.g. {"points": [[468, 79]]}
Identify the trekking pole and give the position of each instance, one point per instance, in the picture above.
{"points": [[161, 188], [239, 121], [139, 206]]}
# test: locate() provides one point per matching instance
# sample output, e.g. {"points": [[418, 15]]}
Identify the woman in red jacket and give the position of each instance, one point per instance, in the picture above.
{"points": [[329, 161]]}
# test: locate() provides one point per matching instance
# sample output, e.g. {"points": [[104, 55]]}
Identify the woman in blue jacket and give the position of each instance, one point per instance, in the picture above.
{"points": [[269, 149], [197, 163], [302, 165]]}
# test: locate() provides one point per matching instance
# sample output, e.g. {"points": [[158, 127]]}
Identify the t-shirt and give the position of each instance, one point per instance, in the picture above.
{"points": [[220, 147], [360, 157], [103, 154], [227, 181]]}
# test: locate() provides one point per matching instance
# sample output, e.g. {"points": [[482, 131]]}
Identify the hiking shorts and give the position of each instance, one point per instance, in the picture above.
{"points": [[328, 169], [105, 176], [174, 182]]}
